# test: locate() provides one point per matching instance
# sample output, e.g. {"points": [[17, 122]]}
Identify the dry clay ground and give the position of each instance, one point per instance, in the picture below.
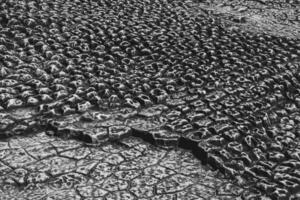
{"points": [[281, 18], [149, 99]]}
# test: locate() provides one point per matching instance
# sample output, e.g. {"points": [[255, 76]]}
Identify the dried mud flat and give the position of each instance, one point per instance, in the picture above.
{"points": [[280, 18], [41, 167], [149, 100]]}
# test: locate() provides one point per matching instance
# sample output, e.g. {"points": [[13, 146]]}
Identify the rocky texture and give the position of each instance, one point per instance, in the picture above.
{"points": [[100, 71], [42, 167], [280, 18]]}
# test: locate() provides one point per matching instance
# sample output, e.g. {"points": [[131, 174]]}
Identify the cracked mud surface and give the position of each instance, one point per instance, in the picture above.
{"points": [[275, 17], [42, 167], [155, 86]]}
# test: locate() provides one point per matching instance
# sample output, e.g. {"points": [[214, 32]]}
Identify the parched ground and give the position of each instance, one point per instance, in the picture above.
{"points": [[275, 17], [159, 99], [40, 167]]}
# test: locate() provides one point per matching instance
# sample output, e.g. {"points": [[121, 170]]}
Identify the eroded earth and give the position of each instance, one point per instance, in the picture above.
{"points": [[148, 99], [275, 17], [43, 167]]}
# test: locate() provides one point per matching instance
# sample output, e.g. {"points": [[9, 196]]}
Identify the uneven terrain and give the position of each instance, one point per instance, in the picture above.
{"points": [[149, 100]]}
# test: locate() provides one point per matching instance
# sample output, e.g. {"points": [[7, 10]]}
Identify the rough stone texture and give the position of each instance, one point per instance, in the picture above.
{"points": [[274, 17], [42, 167], [100, 71]]}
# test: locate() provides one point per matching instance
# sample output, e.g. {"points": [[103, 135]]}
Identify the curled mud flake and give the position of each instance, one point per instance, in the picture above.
{"points": [[73, 99], [295, 154], [66, 110], [159, 95], [291, 185], [51, 112], [232, 135], [8, 82], [113, 121], [152, 111], [198, 121], [45, 98], [175, 102], [235, 147], [20, 129], [32, 101], [165, 138], [141, 124], [14, 103], [101, 116], [265, 186], [276, 156], [126, 113], [114, 101], [86, 117], [6, 96], [59, 94], [279, 193], [4, 71], [144, 100], [5, 123], [98, 134], [132, 103], [118, 132], [83, 107]]}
